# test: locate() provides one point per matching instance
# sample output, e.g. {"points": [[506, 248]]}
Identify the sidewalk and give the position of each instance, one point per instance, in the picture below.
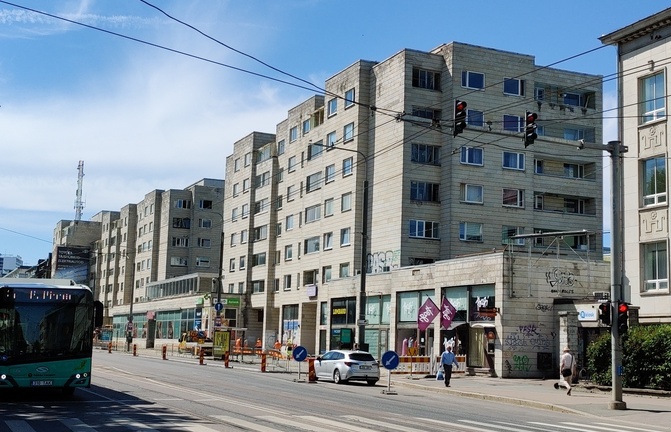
{"points": [[642, 408]]}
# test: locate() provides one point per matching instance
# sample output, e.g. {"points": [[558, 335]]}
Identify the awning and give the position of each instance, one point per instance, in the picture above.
{"points": [[482, 325]]}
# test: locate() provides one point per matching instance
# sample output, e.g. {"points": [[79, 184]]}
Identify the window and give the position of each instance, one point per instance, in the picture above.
{"points": [[236, 189], [331, 139], [422, 191], [178, 222], [472, 193], [234, 214], [332, 107], [539, 167], [306, 126], [287, 282], [237, 165], [572, 205], [424, 229], [278, 229], [512, 86], [258, 286], [475, 118], [313, 213], [178, 261], [328, 207], [427, 113], [574, 134], [292, 163], [538, 202], [344, 270], [345, 236], [202, 262], [513, 123], [248, 159], [311, 245], [509, 231], [204, 243], [205, 223], [348, 132], [181, 203], [180, 242], [243, 236], [513, 160], [652, 98], [654, 181], [289, 222], [349, 98], [329, 173], [574, 171], [245, 210], [513, 198], [261, 206], [326, 274], [261, 233], [315, 150], [259, 259], [474, 80], [426, 154], [347, 167], [470, 231], [471, 156], [425, 79], [346, 202], [328, 241], [293, 134], [279, 202], [205, 204], [291, 193], [280, 147], [261, 180], [656, 271], [234, 239], [313, 182], [573, 99]]}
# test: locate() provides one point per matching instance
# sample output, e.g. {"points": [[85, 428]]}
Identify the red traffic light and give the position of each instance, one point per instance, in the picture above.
{"points": [[531, 117], [623, 308], [460, 106]]}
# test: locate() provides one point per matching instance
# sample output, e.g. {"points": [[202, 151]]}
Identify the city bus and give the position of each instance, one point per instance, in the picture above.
{"points": [[46, 334]]}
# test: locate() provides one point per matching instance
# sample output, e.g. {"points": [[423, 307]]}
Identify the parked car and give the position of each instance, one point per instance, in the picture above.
{"points": [[344, 365]]}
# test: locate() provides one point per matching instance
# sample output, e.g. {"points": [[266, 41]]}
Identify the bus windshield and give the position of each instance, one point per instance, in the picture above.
{"points": [[44, 324]]}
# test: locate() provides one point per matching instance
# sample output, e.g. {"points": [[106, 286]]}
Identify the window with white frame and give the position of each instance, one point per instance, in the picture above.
{"points": [[513, 198], [423, 191], [329, 173], [289, 222], [332, 107], [262, 179], [243, 236], [349, 98], [306, 126], [280, 147], [346, 202], [328, 207], [313, 213], [293, 134], [475, 118], [510, 231], [292, 163], [655, 266], [424, 229], [513, 86], [245, 185], [345, 236], [348, 132], [261, 206], [513, 123], [205, 204], [245, 210], [328, 240], [472, 193], [202, 262], [231, 264], [539, 166], [287, 283], [425, 79], [288, 252], [344, 270], [279, 202], [470, 231], [234, 239], [242, 262], [204, 243], [315, 150], [574, 171], [331, 139], [291, 193], [513, 160], [652, 98], [472, 156], [326, 274], [573, 205], [258, 286], [311, 245], [179, 261], [347, 166], [278, 229], [248, 159], [182, 242], [425, 154], [204, 223], [236, 165], [573, 134], [259, 259], [654, 181], [261, 233], [313, 182], [236, 189], [473, 80]]}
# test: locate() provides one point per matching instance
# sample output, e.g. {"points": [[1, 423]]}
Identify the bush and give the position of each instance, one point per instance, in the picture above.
{"points": [[646, 357]]}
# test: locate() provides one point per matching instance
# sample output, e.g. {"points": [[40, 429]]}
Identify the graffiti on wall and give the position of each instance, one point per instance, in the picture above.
{"points": [[379, 262], [561, 281], [528, 338], [544, 307]]}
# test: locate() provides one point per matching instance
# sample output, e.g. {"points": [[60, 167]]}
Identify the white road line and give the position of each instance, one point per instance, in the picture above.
{"points": [[386, 425], [556, 426], [451, 425], [133, 424], [338, 425], [19, 426], [536, 428], [77, 425], [296, 424], [623, 427], [516, 428], [244, 423]]}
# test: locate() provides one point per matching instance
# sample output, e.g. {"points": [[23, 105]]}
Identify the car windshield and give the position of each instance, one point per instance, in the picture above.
{"points": [[361, 357]]}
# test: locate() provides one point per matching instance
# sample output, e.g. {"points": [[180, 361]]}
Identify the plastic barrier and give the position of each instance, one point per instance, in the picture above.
{"points": [[109, 347], [263, 362], [134, 350], [226, 359], [413, 365], [312, 375], [201, 357], [164, 351]]}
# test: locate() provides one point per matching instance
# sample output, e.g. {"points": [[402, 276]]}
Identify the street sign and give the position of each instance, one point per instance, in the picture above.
{"points": [[299, 353], [233, 301], [218, 307], [390, 360], [362, 322]]}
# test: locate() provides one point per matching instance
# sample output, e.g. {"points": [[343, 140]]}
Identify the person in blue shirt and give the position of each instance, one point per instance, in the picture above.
{"points": [[447, 359]]}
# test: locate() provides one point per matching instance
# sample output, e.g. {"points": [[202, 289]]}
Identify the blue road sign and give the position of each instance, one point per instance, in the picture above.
{"points": [[218, 307], [300, 353], [390, 360]]}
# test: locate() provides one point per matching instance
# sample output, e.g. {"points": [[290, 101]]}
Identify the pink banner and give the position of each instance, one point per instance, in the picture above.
{"points": [[426, 314], [447, 313]]}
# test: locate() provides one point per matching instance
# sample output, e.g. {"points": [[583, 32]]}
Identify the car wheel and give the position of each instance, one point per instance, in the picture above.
{"points": [[371, 382], [336, 377]]}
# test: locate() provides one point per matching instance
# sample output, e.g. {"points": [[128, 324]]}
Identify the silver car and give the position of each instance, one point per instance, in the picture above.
{"points": [[343, 365]]}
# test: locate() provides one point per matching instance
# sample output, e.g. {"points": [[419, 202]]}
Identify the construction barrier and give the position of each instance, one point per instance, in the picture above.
{"points": [[109, 347], [461, 360], [134, 350], [263, 362], [164, 351], [226, 358], [201, 357], [420, 365], [312, 375]]}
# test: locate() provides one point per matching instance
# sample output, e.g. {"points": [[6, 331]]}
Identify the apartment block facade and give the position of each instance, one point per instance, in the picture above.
{"points": [[643, 50], [295, 205]]}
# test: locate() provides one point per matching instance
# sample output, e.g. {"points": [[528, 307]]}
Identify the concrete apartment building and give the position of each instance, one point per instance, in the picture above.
{"points": [[643, 50], [8, 263], [294, 203]]}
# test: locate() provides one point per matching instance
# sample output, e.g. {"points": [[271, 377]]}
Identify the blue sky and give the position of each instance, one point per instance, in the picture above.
{"points": [[142, 118]]}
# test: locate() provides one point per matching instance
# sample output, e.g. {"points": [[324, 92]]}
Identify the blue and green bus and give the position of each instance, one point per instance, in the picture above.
{"points": [[46, 334]]}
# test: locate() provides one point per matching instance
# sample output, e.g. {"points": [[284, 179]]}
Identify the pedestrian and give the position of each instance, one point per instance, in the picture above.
{"points": [[447, 359], [566, 365]]}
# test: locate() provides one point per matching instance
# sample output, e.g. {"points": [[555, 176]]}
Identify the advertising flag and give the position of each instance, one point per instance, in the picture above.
{"points": [[426, 314], [447, 313]]}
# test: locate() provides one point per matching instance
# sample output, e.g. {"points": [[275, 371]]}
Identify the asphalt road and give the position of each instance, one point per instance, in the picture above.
{"points": [[150, 394]]}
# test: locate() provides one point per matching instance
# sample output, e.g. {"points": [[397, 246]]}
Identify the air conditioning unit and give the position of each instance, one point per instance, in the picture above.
{"points": [[601, 295]]}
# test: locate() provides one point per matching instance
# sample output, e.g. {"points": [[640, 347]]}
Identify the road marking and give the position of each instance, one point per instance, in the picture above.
{"points": [[297, 424], [77, 425], [451, 425], [368, 421], [133, 424], [19, 426], [515, 428], [244, 423], [338, 425]]}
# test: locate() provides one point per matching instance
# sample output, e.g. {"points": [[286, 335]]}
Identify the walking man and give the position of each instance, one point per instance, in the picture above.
{"points": [[447, 359], [566, 366]]}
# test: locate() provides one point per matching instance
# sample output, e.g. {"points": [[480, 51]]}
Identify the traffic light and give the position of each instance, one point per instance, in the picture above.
{"points": [[459, 117], [530, 129], [622, 317], [604, 313]]}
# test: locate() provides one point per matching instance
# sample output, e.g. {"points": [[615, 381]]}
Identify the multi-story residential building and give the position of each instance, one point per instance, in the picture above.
{"points": [[9, 263], [294, 200], [643, 50]]}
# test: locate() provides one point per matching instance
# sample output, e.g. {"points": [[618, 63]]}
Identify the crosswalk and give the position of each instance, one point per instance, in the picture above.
{"points": [[314, 423]]}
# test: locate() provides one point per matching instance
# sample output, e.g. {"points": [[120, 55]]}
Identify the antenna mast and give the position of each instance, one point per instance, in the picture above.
{"points": [[79, 204]]}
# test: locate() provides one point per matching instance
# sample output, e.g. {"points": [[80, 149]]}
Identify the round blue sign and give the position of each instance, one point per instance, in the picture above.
{"points": [[390, 360], [218, 307], [299, 353]]}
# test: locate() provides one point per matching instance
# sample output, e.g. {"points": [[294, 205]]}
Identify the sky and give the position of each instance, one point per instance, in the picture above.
{"points": [[143, 117]]}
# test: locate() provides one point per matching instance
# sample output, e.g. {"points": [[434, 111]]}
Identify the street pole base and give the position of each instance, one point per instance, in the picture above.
{"points": [[617, 405], [389, 392]]}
